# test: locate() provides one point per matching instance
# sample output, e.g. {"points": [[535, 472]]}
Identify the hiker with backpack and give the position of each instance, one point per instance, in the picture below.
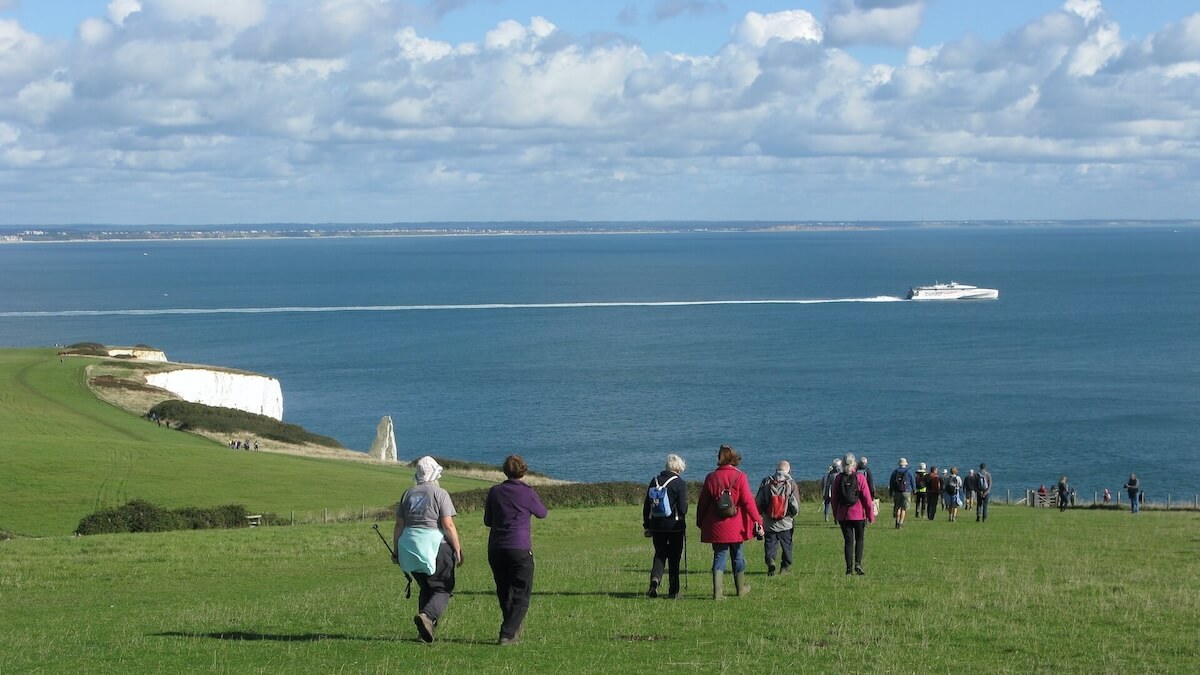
{"points": [[727, 517], [1064, 493], [663, 519], [778, 501], [983, 488], [901, 485], [953, 490], [969, 488], [919, 495], [852, 511]]}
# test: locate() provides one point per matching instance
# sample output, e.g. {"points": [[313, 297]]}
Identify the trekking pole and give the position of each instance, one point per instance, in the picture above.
{"points": [[686, 572], [408, 587]]}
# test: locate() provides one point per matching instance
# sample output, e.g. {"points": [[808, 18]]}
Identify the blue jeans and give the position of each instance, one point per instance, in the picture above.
{"points": [[735, 550]]}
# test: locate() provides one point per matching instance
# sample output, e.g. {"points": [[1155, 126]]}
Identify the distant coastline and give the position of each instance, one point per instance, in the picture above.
{"points": [[150, 233]]}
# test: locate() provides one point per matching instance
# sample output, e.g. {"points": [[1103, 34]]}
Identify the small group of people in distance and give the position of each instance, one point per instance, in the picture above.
{"points": [[427, 545], [925, 489]]}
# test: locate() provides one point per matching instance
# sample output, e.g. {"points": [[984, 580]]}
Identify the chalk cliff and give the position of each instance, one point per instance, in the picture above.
{"points": [[251, 393], [384, 446]]}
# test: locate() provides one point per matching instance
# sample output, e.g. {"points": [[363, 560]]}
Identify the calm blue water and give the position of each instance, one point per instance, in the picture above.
{"points": [[1088, 364]]}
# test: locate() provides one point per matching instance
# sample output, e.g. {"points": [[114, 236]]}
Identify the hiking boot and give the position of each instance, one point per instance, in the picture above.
{"points": [[785, 570], [770, 569], [424, 627], [739, 582], [718, 585], [859, 570], [504, 641], [653, 592]]}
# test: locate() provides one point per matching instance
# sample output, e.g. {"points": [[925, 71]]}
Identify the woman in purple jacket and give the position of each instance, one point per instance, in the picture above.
{"points": [[852, 510], [510, 548]]}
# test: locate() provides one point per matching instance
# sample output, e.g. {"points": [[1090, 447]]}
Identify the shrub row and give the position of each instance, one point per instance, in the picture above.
{"points": [[185, 416], [463, 465], [142, 516]]}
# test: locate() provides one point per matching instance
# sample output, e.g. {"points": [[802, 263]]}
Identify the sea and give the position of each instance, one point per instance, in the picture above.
{"points": [[596, 355]]}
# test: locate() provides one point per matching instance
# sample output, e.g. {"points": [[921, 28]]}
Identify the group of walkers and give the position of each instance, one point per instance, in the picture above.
{"points": [[928, 488], [427, 545], [728, 515]]}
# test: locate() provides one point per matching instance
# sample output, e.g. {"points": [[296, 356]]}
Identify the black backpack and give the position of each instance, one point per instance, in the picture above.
{"points": [[848, 485], [951, 485], [898, 483]]}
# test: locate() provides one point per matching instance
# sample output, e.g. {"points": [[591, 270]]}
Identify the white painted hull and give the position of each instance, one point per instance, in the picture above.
{"points": [[952, 291]]}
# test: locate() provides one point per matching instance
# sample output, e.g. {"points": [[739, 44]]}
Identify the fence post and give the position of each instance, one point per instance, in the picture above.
{"points": [[325, 515], [292, 517], [1168, 501], [1007, 496], [364, 515], [1095, 498]]}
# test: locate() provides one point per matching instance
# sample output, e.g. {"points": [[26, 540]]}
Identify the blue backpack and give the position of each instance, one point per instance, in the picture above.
{"points": [[660, 500]]}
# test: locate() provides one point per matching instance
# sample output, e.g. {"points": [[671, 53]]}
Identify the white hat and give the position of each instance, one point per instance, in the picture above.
{"points": [[921, 466], [903, 462], [428, 470]]}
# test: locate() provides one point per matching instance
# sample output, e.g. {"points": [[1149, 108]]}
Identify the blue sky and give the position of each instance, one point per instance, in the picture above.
{"points": [[204, 111]]}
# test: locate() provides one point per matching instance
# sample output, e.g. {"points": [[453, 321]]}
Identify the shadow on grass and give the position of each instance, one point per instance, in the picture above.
{"points": [[249, 636], [606, 594]]}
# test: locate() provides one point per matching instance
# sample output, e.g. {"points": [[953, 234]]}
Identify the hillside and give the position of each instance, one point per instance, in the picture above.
{"points": [[67, 453]]}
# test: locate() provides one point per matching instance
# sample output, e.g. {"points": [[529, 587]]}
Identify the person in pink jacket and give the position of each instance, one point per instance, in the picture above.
{"points": [[729, 530], [852, 511]]}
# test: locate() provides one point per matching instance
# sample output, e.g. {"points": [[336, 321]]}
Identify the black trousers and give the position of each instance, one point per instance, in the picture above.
{"points": [[668, 547], [778, 540], [436, 588], [512, 568], [853, 534]]}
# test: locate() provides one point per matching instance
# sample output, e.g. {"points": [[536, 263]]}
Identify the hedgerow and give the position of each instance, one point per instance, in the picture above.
{"points": [[184, 415], [140, 515]]}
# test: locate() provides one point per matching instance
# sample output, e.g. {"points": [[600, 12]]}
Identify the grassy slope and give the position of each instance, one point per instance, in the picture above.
{"points": [[65, 454], [1031, 591]]}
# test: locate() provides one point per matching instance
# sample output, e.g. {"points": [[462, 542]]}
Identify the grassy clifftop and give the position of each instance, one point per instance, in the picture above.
{"points": [[66, 454]]}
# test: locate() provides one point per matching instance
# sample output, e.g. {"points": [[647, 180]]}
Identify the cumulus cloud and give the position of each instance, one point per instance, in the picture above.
{"points": [[876, 22], [792, 25], [346, 110]]}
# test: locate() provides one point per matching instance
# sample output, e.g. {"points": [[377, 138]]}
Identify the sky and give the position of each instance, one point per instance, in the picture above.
{"points": [[144, 112]]}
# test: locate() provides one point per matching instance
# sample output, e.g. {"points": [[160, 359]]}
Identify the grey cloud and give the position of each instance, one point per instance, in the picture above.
{"points": [[670, 9], [874, 22]]}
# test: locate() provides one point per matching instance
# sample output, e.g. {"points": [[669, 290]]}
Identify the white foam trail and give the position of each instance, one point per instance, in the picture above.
{"points": [[415, 308]]}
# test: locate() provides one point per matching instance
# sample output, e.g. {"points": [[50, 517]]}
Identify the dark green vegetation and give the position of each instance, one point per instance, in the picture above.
{"points": [[187, 416], [1033, 590], [66, 454], [142, 516]]}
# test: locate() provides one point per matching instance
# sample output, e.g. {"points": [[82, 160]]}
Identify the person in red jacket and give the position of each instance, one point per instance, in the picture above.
{"points": [[727, 528], [852, 510]]}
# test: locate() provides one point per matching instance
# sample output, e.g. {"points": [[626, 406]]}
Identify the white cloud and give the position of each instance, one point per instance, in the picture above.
{"points": [[119, 10], [893, 23], [757, 29], [221, 106]]}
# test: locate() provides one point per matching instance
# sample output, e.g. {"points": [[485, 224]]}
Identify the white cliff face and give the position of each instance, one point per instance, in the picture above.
{"points": [[140, 354], [251, 393], [384, 446]]}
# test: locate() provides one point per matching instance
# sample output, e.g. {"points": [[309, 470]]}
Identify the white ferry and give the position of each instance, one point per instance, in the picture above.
{"points": [[952, 291]]}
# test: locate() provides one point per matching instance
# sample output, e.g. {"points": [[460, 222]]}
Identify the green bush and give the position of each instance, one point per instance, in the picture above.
{"points": [[184, 415], [5, 535], [142, 516]]}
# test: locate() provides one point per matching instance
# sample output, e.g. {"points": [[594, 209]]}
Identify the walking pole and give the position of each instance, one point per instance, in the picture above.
{"points": [[408, 587], [686, 573]]}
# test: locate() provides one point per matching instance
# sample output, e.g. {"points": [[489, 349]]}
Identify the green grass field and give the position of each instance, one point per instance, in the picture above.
{"points": [[66, 454], [1033, 590], [1030, 591]]}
